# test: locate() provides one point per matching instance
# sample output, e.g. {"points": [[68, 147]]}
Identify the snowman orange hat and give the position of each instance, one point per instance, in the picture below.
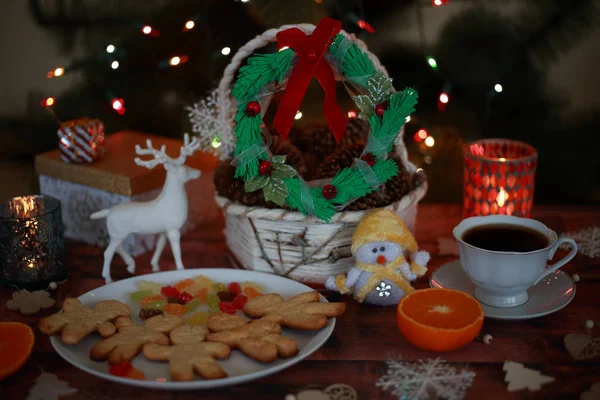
{"points": [[383, 226]]}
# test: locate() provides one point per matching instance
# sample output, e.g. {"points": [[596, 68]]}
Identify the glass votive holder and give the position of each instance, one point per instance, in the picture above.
{"points": [[32, 246], [499, 178]]}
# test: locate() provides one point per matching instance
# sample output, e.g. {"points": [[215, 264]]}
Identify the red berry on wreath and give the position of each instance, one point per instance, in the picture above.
{"points": [[252, 108], [329, 192], [265, 168], [369, 158], [380, 108]]}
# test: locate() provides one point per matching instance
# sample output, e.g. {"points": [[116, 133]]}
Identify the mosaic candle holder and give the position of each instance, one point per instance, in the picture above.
{"points": [[81, 140], [32, 248], [499, 178]]}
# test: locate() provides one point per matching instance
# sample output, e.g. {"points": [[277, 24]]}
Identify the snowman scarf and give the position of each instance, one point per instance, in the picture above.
{"points": [[390, 272]]}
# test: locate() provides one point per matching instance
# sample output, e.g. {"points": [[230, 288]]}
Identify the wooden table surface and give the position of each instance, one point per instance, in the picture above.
{"points": [[364, 337]]}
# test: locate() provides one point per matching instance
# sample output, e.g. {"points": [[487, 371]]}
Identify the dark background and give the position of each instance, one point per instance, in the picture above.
{"points": [[542, 52]]}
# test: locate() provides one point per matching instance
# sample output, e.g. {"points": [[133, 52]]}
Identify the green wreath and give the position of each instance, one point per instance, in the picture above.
{"points": [[385, 110]]}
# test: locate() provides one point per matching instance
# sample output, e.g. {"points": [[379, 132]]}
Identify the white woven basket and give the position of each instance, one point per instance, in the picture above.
{"points": [[289, 243]]}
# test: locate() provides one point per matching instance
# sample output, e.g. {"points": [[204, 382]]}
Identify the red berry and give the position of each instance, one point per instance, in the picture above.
{"points": [[252, 108], [369, 158], [169, 291], [239, 301], [120, 369], [185, 297], [226, 307], [265, 168], [329, 192], [234, 287], [380, 108]]}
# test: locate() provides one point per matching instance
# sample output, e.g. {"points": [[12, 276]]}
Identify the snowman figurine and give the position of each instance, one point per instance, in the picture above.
{"points": [[386, 261]]}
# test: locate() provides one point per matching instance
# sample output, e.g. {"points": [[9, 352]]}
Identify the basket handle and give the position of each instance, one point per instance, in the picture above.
{"points": [[270, 36]]}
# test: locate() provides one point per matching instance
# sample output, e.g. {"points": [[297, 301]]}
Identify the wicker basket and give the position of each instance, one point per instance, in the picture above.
{"points": [[288, 243]]}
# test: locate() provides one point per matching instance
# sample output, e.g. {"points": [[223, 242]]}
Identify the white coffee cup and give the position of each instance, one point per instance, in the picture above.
{"points": [[501, 277]]}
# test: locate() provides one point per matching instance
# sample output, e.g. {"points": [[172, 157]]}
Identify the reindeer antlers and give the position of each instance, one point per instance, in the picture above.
{"points": [[161, 157]]}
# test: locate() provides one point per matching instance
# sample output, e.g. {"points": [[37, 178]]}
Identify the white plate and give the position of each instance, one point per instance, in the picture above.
{"points": [[550, 295], [239, 368]]}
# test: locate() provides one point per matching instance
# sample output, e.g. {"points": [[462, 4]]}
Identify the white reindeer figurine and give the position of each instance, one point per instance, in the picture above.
{"points": [[164, 215]]}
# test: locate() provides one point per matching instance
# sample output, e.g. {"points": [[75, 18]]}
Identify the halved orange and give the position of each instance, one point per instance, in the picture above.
{"points": [[439, 319], [16, 343]]}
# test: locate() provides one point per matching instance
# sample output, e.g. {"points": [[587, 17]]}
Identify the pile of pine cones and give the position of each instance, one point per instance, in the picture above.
{"points": [[314, 153]]}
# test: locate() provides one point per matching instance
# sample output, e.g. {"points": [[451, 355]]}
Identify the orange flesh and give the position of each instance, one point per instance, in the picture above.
{"points": [[441, 309], [16, 342]]}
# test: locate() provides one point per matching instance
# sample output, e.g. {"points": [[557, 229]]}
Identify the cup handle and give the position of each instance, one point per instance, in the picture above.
{"points": [[551, 268]]}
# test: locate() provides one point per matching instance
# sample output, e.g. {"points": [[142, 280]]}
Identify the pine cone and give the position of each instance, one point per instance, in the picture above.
{"points": [[317, 142], [342, 158], [393, 190]]}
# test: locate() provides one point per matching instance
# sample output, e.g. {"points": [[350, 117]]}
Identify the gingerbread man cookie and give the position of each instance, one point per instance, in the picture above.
{"points": [[186, 334], [303, 311], [184, 359], [76, 321], [130, 339], [259, 340]]}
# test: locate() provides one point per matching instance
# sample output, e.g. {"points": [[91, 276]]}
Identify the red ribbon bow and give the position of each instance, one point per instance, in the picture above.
{"points": [[310, 52]]}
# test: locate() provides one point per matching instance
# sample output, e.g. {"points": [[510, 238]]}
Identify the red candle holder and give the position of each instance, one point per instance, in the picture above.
{"points": [[81, 140], [499, 178]]}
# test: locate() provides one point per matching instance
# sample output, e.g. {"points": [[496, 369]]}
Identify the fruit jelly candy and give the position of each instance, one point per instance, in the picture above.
{"points": [[226, 296], [149, 285], [120, 369], [140, 294], [239, 301], [156, 304], [175, 309], [227, 307], [169, 291], [234, 287], [151, 298], [198, 318], [185, 297], [193, 303], [219, 287], [183, 284]]}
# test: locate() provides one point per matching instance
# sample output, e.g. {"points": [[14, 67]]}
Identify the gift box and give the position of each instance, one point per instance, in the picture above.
{"points": [[86, 188]]}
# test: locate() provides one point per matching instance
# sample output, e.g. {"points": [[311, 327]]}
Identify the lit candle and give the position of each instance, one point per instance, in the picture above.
{"points": [[499, 178], [32, 252]]}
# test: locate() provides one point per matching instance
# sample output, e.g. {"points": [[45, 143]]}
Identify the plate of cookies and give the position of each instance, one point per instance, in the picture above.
{"points": [[192, 329]]}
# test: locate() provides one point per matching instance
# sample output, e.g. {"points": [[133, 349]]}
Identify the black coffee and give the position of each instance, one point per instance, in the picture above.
{"points": [[502, 237]]}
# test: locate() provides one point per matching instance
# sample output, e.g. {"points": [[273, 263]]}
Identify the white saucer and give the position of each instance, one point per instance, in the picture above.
{"points": [[550, 295]]}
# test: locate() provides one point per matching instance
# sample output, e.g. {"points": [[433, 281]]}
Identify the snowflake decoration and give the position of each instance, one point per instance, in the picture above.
{"points": [[588, 241], [416, 381], [48, 387], [212, 121], [384, 289]]}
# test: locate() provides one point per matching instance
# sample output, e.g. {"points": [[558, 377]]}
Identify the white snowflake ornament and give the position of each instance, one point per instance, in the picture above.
{"points": [[212, 122], [48, 387], [423, 379], [519, 377], [592, 394], [588, 241]]}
